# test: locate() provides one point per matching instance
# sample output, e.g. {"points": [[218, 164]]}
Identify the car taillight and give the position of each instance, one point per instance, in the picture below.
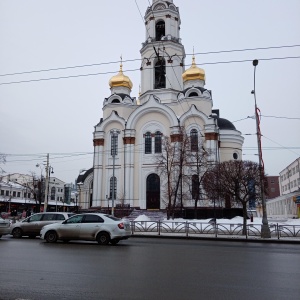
{"points": [[121, 225]]}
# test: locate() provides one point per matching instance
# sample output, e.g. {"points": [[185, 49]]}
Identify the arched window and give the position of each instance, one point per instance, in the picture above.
{"points": [[195, 187], [159, 30], [160, 74], [194, 140], [193, 94], [114, 144], [115, 101], [148, 143], [113, 182], [158, 136]]}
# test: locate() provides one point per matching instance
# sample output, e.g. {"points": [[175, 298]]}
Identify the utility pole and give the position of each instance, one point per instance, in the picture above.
{"points": [[47, 184], [265, 230]]}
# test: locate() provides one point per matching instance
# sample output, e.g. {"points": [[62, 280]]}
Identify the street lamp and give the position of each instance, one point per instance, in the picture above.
{"points": [[114, 138], [79, 184], [265, 230]]}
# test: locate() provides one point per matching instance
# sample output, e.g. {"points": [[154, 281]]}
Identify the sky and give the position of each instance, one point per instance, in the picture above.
{"points": [[55, 111]]}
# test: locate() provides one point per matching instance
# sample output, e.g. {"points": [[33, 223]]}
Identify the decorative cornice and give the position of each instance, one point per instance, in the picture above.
{"points": [[98, 142], [129, 140], [211, 136], [176, 137]]}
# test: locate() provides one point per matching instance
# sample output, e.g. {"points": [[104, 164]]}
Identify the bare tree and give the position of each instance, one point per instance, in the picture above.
{"points": [[197, 165], [170, 165], [237, 179], [2, 162]]}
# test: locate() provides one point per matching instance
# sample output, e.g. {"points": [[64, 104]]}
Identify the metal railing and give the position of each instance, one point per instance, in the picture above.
{"points": [[201, 229]]}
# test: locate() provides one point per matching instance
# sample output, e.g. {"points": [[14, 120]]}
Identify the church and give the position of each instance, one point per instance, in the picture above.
{"points": [[129, 137]]}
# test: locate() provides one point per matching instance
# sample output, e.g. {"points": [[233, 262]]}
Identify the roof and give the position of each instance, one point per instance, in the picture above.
{"points": [[225, 124]]}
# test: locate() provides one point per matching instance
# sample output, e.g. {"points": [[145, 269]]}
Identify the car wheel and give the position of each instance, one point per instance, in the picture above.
{"points": [[17, 233], [51, 237], [114, 242], [103, 238]]}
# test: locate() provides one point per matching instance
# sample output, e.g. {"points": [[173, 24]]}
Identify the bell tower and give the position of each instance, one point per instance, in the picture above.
{"points": [[162, 53]]}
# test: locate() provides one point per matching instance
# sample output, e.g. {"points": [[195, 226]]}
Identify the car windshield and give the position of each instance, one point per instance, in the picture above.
{"points": [[112, 217]]}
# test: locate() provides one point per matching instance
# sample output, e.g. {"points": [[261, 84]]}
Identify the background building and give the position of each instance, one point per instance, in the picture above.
{"points": [[290, 178]]}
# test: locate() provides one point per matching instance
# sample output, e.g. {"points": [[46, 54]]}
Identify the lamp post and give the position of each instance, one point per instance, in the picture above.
{"points": [[79, 185], [265, 230], [114, 138]]}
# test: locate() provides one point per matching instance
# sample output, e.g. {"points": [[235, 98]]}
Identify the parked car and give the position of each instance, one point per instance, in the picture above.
{"points": [[32, 225], [99, 227], [4, 227]]}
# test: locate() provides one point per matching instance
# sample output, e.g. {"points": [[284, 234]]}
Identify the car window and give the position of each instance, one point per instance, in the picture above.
{"points": [[70, 215], [48, 217], [75, 219], [60, 217], [92, 219], [112, 217], [35, 218]]}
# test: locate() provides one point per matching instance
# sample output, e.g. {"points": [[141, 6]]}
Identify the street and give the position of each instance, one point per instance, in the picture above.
{"points": [[148, 268]]}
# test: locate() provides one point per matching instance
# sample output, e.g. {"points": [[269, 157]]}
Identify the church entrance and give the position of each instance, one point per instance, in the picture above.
{"points": [[153, 192]]}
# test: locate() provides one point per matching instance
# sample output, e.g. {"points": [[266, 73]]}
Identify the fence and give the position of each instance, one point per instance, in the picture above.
{"points": [[200, 229]]}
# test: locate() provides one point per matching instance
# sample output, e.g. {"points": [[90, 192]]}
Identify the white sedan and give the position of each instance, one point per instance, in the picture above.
{"points": [[99, 227], [4, 227]]}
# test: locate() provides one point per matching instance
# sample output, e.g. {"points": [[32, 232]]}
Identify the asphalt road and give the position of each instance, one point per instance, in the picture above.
{"points": [[148, 268]]}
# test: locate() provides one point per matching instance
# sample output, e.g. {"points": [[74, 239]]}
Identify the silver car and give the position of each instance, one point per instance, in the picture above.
{"points": [[32, 225], [102, 228], [4, 227]]}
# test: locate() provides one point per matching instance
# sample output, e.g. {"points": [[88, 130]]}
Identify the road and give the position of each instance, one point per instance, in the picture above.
{"points": [[148, 268]]}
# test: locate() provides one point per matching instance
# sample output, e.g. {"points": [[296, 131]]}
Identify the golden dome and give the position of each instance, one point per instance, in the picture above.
{"points": [[193, 73], [120, 80]]}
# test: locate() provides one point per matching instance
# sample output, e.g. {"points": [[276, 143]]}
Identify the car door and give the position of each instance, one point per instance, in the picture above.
{"points": [[70, 228], [32, 224], [90, 226]]}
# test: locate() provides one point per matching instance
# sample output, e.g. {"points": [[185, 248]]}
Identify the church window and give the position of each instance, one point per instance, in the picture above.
{"points": [[195, 187], [159, 30], [113, 186], [115, 101], [158, 142], [235, 156], [194, 140], [148, 143], [193, 94], [160, 74], [114, 144]]}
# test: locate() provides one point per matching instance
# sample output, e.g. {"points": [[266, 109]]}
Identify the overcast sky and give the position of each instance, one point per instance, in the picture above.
{"points": [[58, 116]]}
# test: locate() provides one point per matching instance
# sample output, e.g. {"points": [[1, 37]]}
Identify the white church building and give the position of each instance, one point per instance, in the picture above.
{"points": [[129, 136]]}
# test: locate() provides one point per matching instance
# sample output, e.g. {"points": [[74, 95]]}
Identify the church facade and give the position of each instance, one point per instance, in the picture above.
{"points": [[128, 139]]}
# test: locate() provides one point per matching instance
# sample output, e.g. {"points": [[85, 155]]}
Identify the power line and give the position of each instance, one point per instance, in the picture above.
{"points": [[139, 59], [133, 70]]}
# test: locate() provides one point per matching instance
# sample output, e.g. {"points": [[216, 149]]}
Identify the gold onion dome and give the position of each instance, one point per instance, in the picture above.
{"points": [[120, 80], [193, 73]]}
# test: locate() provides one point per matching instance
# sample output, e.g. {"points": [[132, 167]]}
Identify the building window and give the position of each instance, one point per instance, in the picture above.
{"points": [[195, 187], [272, 181], [148, 143], [160, 74], [158, 142], [273, 190], [52, 197], [2, 192], [6, 193], [113, 182], [194, 140], [18, 194], [160, 30], [114, 144], [235, 156], [14, 193]]}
